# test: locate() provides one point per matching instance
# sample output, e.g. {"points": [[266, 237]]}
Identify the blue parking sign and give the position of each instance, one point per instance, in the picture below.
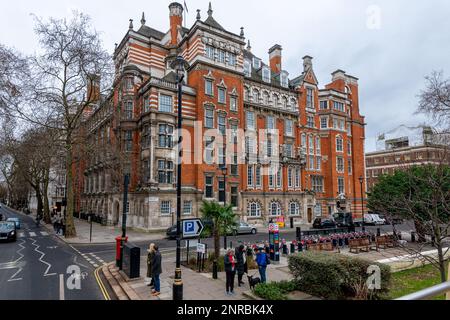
{"points": [[189, 227], [192, 228]]}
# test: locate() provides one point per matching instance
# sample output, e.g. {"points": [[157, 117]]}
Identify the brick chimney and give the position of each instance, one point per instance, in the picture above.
{"points": [[93, 89], [307, 63], [275, 58], [176, 21]]}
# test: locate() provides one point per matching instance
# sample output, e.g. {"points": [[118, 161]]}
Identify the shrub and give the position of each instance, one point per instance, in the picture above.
{"points": [[334, 276], [270, 291]]}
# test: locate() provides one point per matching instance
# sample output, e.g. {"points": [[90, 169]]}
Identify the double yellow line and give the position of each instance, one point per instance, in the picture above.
{"points": [[101, 285]]}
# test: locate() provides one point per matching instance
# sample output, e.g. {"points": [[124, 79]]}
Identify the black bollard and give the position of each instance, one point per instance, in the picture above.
{"points": [[215, 269], [292, 248], [285, 249], [299, 234], [413, 237], [292, 223], [378, 232]]}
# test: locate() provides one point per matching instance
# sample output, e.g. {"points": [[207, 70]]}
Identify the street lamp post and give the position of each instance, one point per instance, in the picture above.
{"points": [[361, 181], [179, 65], [224, 170], [126, 183]]}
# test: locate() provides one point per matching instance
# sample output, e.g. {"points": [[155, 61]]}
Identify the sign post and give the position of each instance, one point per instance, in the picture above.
{"points": [[274, 241]]}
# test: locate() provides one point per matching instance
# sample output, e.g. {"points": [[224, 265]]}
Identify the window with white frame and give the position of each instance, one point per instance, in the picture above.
{"points": [[247, 68], [340, 164], [304, 140], [165, 172], [222, 95], [310, 121], [255, 96], [270, 123], [341, 185], [290, 177], [210, 52], [209, 89], [209, 150], [265, 98], [234, 132], [256, 63], [339, 144], [146, 104], [339, 106], [221, 56], [310, 98], [250, 176], [349, 129], [165, 136], [269, 147], [284, 102], [294, 208], [251, 123], [311, 144], [288, 150], [279, 177], [271, 180], [311, 163], [288, 127], [231, 59], [165, 208], [165, 103], [318, 163], [128, 141], [297, 177], [209, 189], [324, 105], [349, 148], [266, 74], [234, 196], [318, 145], [129, 110], [324, 122], [187, 207], [258, 176], [233, 103], [317, 184], [209, 118], [275, 209], [246, 94], [222, 156], [276, 100], [221, 123], [350, 166], [254, 209]]}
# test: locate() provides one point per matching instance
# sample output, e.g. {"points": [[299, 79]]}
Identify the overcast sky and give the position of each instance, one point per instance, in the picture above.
{"points": [[389, 45]]}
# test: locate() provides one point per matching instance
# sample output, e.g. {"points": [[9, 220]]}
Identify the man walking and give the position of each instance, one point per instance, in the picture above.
{"points": [[156, 271], [262, 259]]}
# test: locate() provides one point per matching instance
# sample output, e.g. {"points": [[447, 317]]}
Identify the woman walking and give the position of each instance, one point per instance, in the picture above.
{"points": [[150, 255], [230, 270]]}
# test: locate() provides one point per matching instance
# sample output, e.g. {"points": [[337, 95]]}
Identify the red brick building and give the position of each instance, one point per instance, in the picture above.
{"points": [[292, 149]]}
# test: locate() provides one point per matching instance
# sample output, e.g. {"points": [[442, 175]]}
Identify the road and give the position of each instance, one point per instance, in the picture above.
{"points": [[106, 252], [36, 267]]}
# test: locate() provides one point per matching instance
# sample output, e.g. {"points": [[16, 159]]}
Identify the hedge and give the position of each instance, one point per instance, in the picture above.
{"points": [[335, 276]]}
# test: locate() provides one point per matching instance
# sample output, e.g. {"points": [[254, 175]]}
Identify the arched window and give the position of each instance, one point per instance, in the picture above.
{"points": [[276, 99], [275, 209], [246, 94], [254, 209], [266, 98], [284, 102], [339, 144], [293, 104], [294, 208]]}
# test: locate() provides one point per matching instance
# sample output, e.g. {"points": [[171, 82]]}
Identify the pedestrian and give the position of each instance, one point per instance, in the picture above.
{"points": [[150, 255], [230, 270], [55, 224], [58, 225], [262, 260], [156, 271], [240, 263]]}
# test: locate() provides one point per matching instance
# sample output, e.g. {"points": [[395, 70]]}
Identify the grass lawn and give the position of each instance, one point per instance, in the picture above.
{"points": [[413, 280]]}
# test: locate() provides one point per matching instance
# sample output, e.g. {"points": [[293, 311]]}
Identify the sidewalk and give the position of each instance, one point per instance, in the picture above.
{"points": [[201, 286], [104, 234]]}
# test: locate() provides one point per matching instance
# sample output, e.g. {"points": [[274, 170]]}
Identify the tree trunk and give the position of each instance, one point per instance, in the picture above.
{"points": [[39, 201], [47, 218], [442, 270], [420, 232], [70, 225]]}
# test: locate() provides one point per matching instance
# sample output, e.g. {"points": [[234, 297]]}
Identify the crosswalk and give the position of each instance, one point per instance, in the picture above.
{"points": [[92, 258], [31, 234]]}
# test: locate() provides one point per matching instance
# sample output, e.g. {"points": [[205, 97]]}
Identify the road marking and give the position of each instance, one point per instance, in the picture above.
{"points": [[20, 235], [44, 233], [101, 285], [46, 274], [61, 287], [32, 234], [19, 265]]}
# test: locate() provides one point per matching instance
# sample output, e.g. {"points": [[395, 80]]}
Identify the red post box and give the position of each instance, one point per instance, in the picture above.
{"points": [[118, 242]]}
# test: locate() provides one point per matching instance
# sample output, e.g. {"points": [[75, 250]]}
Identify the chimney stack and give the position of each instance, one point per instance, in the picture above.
{"points": [[176, 21], [307, 63], [275, 58], [93, 88]]}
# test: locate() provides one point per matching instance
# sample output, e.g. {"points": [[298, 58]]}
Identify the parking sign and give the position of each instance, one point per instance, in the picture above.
{"points": [[192, 228]]}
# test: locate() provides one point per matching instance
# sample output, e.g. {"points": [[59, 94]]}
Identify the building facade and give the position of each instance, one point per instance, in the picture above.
{"points": [[405, 147], [253, 136]]}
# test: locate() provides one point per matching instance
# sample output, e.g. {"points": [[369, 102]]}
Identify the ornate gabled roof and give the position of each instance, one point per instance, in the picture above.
{"points": [[213, 23]]}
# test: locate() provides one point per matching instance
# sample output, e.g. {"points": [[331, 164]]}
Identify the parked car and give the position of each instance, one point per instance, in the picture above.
{"points": [[391, 220], [245, 228], [373, 219], [16, 221], [8, 231], [343, 219], [321, 223]]}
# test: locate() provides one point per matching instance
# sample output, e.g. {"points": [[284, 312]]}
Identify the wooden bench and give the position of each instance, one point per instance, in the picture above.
{"points": [[357, 245], [328, 246], [314, 247], [380, 243]]}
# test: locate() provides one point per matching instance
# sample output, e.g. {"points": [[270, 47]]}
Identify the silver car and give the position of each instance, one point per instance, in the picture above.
{"points": [[245, 228]]}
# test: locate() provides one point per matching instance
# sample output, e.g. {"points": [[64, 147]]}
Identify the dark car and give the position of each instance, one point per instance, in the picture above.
{"points": [[390, 220], [171, 232], [344, 219], [321, 223], [8, 231]]}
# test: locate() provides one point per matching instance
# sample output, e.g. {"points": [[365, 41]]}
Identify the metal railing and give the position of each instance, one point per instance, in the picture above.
{"points": [[443, 288]]}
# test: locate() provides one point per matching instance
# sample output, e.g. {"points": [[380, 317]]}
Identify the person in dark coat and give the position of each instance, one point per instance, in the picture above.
{"points": [[156, 271], [230, 270], [240, 263], [150, 255]]}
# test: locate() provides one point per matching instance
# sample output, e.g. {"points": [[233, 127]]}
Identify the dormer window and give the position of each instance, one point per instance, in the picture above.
{"points": [[256, 63], [266, 74], [284, 82], [247, 68], [210, 52], [231, 59], [221, 55]]}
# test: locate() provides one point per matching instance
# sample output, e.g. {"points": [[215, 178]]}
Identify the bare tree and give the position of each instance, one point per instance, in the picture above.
{"points": [[64, 83]]}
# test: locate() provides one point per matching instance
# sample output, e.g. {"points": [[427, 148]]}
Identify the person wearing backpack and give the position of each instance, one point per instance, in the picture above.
{"points": [[262, 259]]}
